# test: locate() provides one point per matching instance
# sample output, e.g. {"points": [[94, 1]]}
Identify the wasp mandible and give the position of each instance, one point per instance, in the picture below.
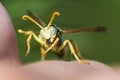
{"points": [[50, 37]]}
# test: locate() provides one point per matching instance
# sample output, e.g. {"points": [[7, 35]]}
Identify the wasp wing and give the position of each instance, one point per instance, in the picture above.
{"points": [[36, 18], [88, 29]]}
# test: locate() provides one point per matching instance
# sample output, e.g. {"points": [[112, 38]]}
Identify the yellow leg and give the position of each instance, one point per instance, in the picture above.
{"points": [[44, 52], [74, 51], [28, 44], [76, 48], [30, 33]]}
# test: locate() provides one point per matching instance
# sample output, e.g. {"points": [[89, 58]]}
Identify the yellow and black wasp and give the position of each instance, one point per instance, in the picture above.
{"points": [[50, 37]]}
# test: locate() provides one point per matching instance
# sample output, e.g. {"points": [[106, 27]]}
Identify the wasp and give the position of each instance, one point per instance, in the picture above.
{"points": [[50, 37]]}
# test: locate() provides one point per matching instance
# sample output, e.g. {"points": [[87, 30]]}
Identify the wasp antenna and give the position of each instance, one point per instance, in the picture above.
{"points": [[52, 18], [25, 17]]}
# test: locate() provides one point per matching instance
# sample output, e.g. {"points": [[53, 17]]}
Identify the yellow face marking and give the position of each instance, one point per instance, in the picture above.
{"points": [[48, 33]]}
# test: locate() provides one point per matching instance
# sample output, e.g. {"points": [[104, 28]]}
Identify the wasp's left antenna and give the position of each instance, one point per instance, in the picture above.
{"points": [[52, 18], [25, 17]]}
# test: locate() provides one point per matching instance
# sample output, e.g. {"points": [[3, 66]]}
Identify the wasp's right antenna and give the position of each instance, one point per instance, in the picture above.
{"points": [[25, 17]]}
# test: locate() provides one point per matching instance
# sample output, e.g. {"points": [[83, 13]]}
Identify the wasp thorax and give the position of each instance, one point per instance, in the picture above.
{"points": [[48, 33]]}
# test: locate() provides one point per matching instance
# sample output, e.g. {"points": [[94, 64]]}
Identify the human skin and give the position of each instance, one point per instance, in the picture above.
{"points": [[61, 70], [12, 69], [8, 42]]}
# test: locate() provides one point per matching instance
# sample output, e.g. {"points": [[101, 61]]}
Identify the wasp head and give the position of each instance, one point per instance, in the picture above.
{"points": [[50, 31], [49, 34]]}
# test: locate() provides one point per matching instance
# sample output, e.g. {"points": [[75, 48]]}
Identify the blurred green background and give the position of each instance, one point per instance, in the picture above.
{"points": [[104, 47]]}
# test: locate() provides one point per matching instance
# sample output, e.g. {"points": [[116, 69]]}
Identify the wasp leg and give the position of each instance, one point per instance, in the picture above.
{"points": [[74, 51], [28, 39], [44, 52], [28, 44], [30, 33], [77, 51], [33, 34]]}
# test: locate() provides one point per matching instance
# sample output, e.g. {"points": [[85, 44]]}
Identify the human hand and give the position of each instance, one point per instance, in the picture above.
{"points": [[12, 69], [61, 70]]}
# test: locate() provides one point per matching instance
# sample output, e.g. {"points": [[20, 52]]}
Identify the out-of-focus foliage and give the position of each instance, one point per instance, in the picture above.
{"points": [[104, 47]]}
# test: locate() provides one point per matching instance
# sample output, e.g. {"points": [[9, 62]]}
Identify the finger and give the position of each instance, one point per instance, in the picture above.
{"points": [[8, 43], [12, 73], [61, 70], [116, 67]]}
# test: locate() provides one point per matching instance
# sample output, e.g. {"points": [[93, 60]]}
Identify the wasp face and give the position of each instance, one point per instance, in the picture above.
{"points": [[48, 33]]}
